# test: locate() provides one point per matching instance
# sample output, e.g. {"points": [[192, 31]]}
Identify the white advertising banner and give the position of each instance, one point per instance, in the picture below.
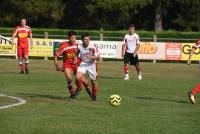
{"points": [[109, 49]]}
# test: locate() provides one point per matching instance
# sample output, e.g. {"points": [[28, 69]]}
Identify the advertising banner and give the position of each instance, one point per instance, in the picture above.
{"points": [[186, 47], [173, 51], [152, 50], [6, 49], [42, 48]]}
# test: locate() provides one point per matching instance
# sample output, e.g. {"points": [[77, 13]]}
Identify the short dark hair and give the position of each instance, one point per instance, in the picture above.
{"points": [[131, 25], [85, 35], [71, 33]]}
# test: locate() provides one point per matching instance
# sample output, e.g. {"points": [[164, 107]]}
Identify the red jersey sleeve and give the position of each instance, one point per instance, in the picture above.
{"points": [[30, 32], [60, 50]]}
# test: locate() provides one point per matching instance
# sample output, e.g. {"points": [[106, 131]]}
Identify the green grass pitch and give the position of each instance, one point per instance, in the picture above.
{"points": [[156, 105]]}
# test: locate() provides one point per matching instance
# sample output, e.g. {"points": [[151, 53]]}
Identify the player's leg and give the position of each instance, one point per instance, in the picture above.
{"points": [[20, 58], [94, 90], [126, 66], [93, 76], [26, 60], [85, 82], [192, 94], [137, 67], [68, 72], [79, 76], [87, 86], [80, 79], [97, 69]]}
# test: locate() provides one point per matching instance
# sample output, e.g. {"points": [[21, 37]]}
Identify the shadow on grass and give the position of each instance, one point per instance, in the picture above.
{"points": [[11, 72], [43, 96], [160, 99], [109, 77]]}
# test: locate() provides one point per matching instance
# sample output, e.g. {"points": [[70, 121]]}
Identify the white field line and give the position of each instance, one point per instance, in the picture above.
{"points": [[20, 101]]}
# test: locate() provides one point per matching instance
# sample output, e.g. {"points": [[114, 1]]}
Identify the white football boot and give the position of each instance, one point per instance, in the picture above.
{"points": [[191, 98], [140, 76], [126, 77]]}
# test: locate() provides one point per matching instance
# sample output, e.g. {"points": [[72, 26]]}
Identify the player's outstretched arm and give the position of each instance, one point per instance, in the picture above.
{"points": [[31, 41], [13, 38], [56, 63], [123, 50], [95, 57], [190, 56]]}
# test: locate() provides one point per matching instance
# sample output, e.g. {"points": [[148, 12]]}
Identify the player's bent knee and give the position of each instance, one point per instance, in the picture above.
{"points": [[79, 75]]}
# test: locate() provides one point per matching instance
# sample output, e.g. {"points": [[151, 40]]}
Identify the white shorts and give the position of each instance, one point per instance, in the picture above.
{"points": [[89, 69]]}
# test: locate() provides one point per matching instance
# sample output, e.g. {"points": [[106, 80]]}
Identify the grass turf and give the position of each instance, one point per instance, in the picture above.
{"points": [[156, 105]]}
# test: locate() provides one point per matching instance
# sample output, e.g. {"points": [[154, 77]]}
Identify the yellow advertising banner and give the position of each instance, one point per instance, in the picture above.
{"points": [[6, 49], [186, 47], [42, 48]]}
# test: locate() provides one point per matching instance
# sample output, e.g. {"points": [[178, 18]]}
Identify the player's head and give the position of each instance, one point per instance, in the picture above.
{"points": [[72, 36], [131, 29], [85, 37], [23, 22]]}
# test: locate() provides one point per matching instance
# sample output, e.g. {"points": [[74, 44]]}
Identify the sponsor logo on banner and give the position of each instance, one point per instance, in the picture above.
{"points": [[152, 50], [6, 48], [173, 51], [107, 49], [186, 48], [42, 48], [148, 48]]}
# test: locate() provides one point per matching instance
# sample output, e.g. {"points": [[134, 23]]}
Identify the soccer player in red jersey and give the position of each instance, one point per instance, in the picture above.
{"points": [[130, 50], [68, 49], [191, 95], [23, 33]]}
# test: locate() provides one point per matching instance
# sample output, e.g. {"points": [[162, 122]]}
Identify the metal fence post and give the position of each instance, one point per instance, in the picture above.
{"points": [[101, 36], [46, 36], [101, 39], [155, 39]]}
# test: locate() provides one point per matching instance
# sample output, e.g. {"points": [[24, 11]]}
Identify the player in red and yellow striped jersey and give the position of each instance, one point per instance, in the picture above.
{"points": [[68, 49], [23, 33]]}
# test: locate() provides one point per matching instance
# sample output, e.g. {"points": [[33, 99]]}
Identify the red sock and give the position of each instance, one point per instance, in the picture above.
{"points": [[97, 71], [94, 89], [79, 85], [196, 89], [138, 69], [126, 69], [87, 87], [70, 87]]}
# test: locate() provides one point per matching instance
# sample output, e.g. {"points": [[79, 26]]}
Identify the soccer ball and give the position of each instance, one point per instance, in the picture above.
{"points": [[115, 100]]}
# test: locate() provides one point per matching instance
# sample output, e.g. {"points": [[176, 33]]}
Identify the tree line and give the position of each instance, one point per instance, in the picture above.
{"points": [[158, 15]]}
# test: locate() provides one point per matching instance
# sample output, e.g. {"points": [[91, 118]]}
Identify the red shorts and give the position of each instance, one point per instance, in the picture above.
{"points": [[71, 67], [22, 52]]}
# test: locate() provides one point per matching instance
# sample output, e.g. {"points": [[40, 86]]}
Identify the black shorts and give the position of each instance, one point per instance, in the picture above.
{"points": [[130, 59]]}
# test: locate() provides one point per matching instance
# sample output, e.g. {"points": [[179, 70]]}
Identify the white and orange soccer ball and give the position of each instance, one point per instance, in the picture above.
{"points": [[115, 100]]}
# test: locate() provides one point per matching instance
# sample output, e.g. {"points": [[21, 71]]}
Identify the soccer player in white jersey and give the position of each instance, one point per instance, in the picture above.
{"points": [[88, 53], [130, 50], [194, 47]]}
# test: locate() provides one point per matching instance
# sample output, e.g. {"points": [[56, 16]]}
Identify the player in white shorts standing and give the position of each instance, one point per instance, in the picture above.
{"points": [[130, 52], [88, 53]]}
